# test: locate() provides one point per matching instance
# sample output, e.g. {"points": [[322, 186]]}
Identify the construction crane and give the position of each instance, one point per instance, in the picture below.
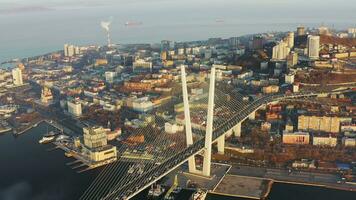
{"points": [[174, 186]]}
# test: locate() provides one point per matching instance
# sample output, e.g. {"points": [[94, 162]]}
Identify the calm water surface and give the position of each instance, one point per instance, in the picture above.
{"points": [[28, 171]]}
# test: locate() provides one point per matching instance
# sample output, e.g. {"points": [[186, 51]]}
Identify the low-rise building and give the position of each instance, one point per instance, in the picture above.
{"points": [[270, 89], [171, 127], [296, 138], [319, 123], [349, 142], [323, 140]]}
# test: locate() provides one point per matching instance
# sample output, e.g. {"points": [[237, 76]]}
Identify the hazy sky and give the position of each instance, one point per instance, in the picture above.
{"points": [[313, 10], [30, 27]]}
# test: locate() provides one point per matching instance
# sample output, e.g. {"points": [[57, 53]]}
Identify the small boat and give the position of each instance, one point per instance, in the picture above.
{"points": [[46, 139], [199, 195]]}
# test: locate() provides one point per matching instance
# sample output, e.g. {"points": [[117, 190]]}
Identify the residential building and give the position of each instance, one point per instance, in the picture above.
{"points": [[323, 140], [296, 138], [74, 108], [290, 40], [319, 123], [289, 78], [17, 77], [349, 142], [313, 47], [300, 31], [280, 51], [141, 65]]}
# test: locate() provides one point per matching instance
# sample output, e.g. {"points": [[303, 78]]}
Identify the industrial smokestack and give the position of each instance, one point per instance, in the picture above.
{"points": [[106, 26]]}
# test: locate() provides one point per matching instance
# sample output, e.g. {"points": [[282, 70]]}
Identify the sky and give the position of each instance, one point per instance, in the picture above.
{"points": [[307, 10], [30, 27]]}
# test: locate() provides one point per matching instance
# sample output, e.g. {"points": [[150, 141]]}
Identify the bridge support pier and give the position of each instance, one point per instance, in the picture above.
{"points": [[237, 130], [209, 126], [221, 145], [188, 125]]}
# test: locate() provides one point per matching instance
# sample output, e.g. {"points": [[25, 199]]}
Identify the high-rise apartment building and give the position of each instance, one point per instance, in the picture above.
{"points": [[300, 31], [71, 50], [313, 46], [280, 51], [290, 40], [75, 108], [17, 77]]}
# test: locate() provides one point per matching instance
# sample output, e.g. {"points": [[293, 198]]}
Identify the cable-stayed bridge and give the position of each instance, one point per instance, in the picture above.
{"points": [[209, 119]]}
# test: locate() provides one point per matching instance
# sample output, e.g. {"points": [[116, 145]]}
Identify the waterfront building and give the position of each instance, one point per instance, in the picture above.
{"points": [[96, 145], [74, 108], [313, 47], [296, 138], [319, 123], [17, 77], [300, 31]]}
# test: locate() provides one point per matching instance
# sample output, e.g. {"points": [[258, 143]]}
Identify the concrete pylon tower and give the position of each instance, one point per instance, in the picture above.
{"points": [[188, 125], [209, 125]]}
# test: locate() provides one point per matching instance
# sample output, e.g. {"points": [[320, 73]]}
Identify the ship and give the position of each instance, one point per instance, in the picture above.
{"points": [[62, 137], [155, 192], [46, 139], [199, 195], [133, 23]]}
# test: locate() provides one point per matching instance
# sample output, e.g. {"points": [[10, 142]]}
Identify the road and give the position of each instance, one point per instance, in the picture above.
{"points": [[295, 176]]}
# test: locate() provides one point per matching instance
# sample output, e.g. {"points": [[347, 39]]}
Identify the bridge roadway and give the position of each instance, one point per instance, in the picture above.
{"points": [[155, 173]]}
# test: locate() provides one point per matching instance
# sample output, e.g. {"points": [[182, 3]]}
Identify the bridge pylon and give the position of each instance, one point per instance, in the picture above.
{"points": [[209, 125], [188, 125]]}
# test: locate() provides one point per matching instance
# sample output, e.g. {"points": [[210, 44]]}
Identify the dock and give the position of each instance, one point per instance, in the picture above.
{"points": [[80, 158], [243, 187]]}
